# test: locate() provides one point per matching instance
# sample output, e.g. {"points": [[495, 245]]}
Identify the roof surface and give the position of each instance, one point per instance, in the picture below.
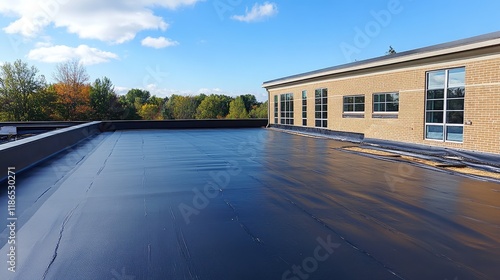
{"points": [[246, 204]]}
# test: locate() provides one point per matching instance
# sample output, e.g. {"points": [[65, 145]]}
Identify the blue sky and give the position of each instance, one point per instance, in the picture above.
{"points": [[225, 46]]}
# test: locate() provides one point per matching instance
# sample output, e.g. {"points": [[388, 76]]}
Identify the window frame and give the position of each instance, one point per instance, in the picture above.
{"points": [[304, 108], [286, 109], [444, 126], [321, 100], [354, 113], [377, 113], [276, 109]]}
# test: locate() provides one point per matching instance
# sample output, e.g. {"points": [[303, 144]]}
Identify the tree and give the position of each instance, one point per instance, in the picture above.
{"points": [[150, 112], [181, 107], [43, 105], [250, 101], [132, 102], [104, 101], [259, 111], [237, 109], [139, 95], [73, 91], [213, 107], [390, 51], [21, 91], [129, 111]]}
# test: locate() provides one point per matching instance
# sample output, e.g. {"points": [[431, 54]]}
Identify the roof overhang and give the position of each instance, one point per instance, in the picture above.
{"points": [[460, 46]]}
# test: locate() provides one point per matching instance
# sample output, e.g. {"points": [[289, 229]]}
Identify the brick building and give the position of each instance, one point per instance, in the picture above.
{"points": [[446, 95]]}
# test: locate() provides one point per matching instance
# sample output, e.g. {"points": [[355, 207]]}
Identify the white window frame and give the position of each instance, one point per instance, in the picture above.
{"points": [[304, 108], [321, 101], [445, 125], [286, 112]]}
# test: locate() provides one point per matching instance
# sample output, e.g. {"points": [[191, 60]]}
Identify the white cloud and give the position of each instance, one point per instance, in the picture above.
{"points": [[210, 91], [158, 43], [109, 21], [166, 92], [258, 12], [121, 90], [57, 54]]}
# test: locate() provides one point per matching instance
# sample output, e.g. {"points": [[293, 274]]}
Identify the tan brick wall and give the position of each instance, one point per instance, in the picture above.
{"points": [[482, 104]]}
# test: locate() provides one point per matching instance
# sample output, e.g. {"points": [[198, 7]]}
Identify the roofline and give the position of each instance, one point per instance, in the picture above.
{"points": [[477, 42]]}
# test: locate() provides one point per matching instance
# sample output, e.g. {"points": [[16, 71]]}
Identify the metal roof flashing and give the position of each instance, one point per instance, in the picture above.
{"points": [[473, 43]]}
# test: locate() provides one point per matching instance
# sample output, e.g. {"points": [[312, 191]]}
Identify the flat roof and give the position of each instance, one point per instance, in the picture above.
{"points": [[486, 40], [245, 204]]}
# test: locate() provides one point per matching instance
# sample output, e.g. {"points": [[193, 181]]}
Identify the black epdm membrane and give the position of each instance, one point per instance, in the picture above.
{"points": [[245, 204]]}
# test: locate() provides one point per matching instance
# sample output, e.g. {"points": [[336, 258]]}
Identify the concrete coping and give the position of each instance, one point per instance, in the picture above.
{"points": [[48, 134], [25, 153]]}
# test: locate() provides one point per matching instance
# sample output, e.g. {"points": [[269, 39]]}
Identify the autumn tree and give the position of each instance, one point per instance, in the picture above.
{"points": [[73, 91], [153, 108], [22, 91], [237, 109], [150, 111]]}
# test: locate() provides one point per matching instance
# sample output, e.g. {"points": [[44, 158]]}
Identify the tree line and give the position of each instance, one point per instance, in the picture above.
{"points": [[25, 95]]}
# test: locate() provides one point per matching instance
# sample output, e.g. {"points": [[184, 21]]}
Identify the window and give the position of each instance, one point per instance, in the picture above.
{"points": [[444, 108], [304, 108], [275, 109], [321, 107], [286, 108], [353, 105], [386, 102]]}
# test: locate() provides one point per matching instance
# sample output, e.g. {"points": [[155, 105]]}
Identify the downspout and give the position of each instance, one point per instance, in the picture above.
{"points": [[268, 108]]}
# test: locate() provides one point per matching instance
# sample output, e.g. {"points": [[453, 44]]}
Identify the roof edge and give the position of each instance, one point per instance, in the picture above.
{"points": [[481, 41]]}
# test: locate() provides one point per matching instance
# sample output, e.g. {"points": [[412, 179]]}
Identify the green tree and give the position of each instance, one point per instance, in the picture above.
{"points": [[155, 100], [199, 98], [213, 107], [250, 101], [237, 109], [132, 102], [43, 104], [104, 101], [259, 111], [181, 107], [135, 93], [129, 111], [21, 91]]}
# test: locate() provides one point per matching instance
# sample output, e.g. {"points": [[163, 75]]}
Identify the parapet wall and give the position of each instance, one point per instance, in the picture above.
{"points": [[27, 152], [182, 124], [24, 153]]}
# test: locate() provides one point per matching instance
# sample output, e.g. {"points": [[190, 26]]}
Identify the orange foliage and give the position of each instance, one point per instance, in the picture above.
{"points": [[73, 102]]}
